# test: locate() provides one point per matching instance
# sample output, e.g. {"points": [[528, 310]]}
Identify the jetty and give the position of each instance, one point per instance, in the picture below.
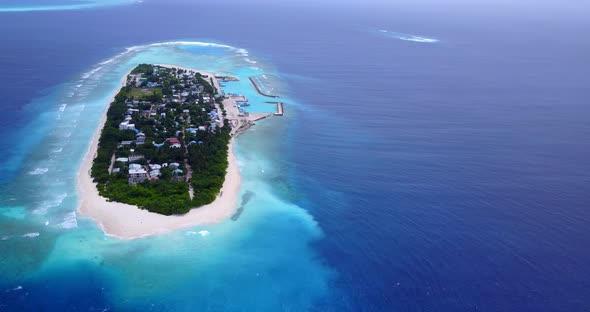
{"points": [[259, 90], [238, 97], [226, 78], [280, 109]]}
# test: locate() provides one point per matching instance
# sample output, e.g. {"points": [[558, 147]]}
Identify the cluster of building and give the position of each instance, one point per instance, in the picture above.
{"points": [[139, 173], [184, 103]]}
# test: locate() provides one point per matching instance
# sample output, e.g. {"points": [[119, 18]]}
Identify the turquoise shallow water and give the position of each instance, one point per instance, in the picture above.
{"points": [[183, 269], [28, 6]]}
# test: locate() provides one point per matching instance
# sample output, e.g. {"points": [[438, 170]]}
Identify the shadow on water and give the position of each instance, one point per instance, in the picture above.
{"points": [[245, 199]]}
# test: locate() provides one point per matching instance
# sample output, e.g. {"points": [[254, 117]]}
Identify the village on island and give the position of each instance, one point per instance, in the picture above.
{"points": [[164, 144]]}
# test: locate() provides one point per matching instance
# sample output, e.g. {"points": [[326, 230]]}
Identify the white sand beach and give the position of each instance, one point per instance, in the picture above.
{"points": [[128, 222]]}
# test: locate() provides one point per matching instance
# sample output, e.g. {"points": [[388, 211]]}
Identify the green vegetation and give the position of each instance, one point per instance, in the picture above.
{"points": [[143, 69], [153, 95], [164, 197], [209, 164], [180, 102]]}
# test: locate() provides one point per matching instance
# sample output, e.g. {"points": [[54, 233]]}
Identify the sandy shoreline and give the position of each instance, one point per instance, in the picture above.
{"points": [[127, 221]]}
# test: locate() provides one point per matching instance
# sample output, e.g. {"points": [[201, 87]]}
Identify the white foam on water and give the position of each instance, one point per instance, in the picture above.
{"points": [[250, 61], [31, 235], [204, 233], [174, 43], [50, 204], [90, 73], [70, 221], [242, 52], [407, 37], [419, 39], [107, 61], [19, 287], [38, 171], [5, 238]]}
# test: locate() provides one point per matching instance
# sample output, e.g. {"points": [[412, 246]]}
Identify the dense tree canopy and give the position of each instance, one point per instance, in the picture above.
{"points": [[166, 195]]}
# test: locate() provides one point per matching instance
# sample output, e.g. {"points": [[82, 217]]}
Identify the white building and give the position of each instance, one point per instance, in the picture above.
{"points": [[155, 167], [125, 125], [135, 157], [137, 175]]}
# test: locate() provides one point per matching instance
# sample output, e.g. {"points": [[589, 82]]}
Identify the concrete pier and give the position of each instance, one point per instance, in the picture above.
{"points": [[280, 109], [258, 89]]}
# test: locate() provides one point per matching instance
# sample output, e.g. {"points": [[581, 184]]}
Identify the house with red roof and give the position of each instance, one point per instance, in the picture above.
{"points": [[174, 142]]}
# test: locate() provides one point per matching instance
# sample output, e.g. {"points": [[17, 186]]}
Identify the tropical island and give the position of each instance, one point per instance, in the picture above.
{"points": [[164, 148], [164, 144]]}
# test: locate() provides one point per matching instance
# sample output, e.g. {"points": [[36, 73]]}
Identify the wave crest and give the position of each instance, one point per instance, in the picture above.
{"points": [[69, 222], [138, 48], [44, 207], [407, 37], [38, 171]]}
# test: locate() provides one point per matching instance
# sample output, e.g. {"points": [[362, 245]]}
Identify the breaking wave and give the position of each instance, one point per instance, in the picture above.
{"points": [[407, 37], [202, 233], [19, 287], [44, 207], [38, 171], [139, 48], [89, 73], [31, 235], [69, 222]]}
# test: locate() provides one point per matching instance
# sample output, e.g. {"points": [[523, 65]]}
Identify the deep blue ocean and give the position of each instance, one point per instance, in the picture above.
{"points": [[433, 157]]}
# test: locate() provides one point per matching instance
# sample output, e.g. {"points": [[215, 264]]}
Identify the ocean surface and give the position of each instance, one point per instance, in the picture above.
{"points": [[432, 157]]}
